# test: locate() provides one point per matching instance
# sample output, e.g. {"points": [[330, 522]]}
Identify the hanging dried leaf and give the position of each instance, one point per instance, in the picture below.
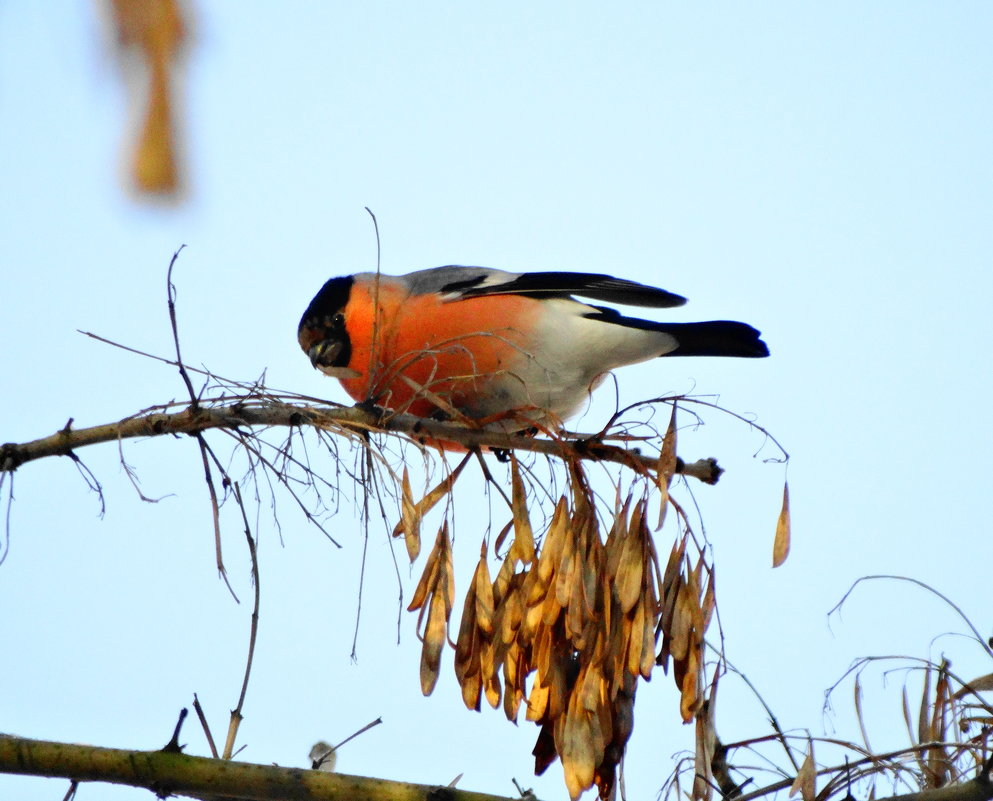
{"points": [[483, 594], [435, 635], [628, 584], [428, 580], [635, 625], [666, 467], [429, 501], [537, 701], [691, 686], [523, 547], [410, 521], [576, 750], [781, 545]]}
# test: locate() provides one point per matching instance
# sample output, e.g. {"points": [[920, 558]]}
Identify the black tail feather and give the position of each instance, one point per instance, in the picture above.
{"points": [[712, 338], [715, 338]]}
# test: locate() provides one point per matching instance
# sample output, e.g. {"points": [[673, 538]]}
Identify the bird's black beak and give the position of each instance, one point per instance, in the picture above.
{"points": [[325, 353], [328, 356]]}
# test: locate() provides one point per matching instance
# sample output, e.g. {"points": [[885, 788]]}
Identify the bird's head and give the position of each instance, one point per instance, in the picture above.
{"points": [[323, 334]]}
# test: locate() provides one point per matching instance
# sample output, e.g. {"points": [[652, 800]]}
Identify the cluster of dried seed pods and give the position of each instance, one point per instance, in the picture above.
{"points": [[587, 615]]}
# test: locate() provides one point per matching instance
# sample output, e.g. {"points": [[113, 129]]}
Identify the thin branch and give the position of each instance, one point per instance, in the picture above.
{"points": [[363, 730], [979, 637], [171, 299], [205, 726], [236, 714]]}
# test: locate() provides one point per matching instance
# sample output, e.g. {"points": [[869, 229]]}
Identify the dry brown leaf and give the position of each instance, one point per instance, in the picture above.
{"points": [[550, 609], [635, 626], [682, 624], [429, 501], [435, 635], [709, 603], [575, 612], [446, 579], [513, 679], [628, 584], [483, 596], [781, 545], [567, 573], [576, 750], [592, 574], [537, 702], [806, 779], [532, 619], [509, 615], [502, 581], [648, 647], [491, 688], [690, 685], [666, 467], [410, 521], [977, 685], [667, 455], [523, 546], [466, 651], [502, 537], [429, 578]]}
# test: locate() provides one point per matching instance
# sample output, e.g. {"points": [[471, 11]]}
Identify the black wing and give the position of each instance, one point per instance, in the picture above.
{"points": [[600, 287]]}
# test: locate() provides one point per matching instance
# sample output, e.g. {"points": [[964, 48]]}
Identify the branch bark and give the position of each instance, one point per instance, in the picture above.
{"points": [[251, 412], [978, 789], [169, 772]]}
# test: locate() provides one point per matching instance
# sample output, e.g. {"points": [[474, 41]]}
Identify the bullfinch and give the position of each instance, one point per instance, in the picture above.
{"points": [[492, 345]]}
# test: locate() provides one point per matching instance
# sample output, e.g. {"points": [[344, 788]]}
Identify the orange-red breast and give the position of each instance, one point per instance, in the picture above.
{"points": [[490, 344]]}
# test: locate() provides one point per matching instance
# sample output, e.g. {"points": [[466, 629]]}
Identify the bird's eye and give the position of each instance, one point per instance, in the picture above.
{"points": [[339, 320]]}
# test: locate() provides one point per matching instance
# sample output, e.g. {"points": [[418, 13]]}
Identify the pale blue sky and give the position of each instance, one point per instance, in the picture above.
{"points": [[821, 171]]}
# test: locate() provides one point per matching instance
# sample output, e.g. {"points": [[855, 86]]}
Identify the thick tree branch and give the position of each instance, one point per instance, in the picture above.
{"points": [[978, 789], [236, 413], [169, 772]]}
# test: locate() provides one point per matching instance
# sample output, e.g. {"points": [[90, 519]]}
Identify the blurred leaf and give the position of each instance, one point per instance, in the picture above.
{"points": [[806, 778], [858, 714], [156, 31], [781, 545], [706, 743]]}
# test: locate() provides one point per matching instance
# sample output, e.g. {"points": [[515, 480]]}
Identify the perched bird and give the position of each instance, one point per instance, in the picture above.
{"points": [[492, 345]]}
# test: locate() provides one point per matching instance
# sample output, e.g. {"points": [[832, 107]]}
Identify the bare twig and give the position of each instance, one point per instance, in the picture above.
{"points": [[205, 726], [363, 730], [975, 632], [171, 300], [236, 713]]}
